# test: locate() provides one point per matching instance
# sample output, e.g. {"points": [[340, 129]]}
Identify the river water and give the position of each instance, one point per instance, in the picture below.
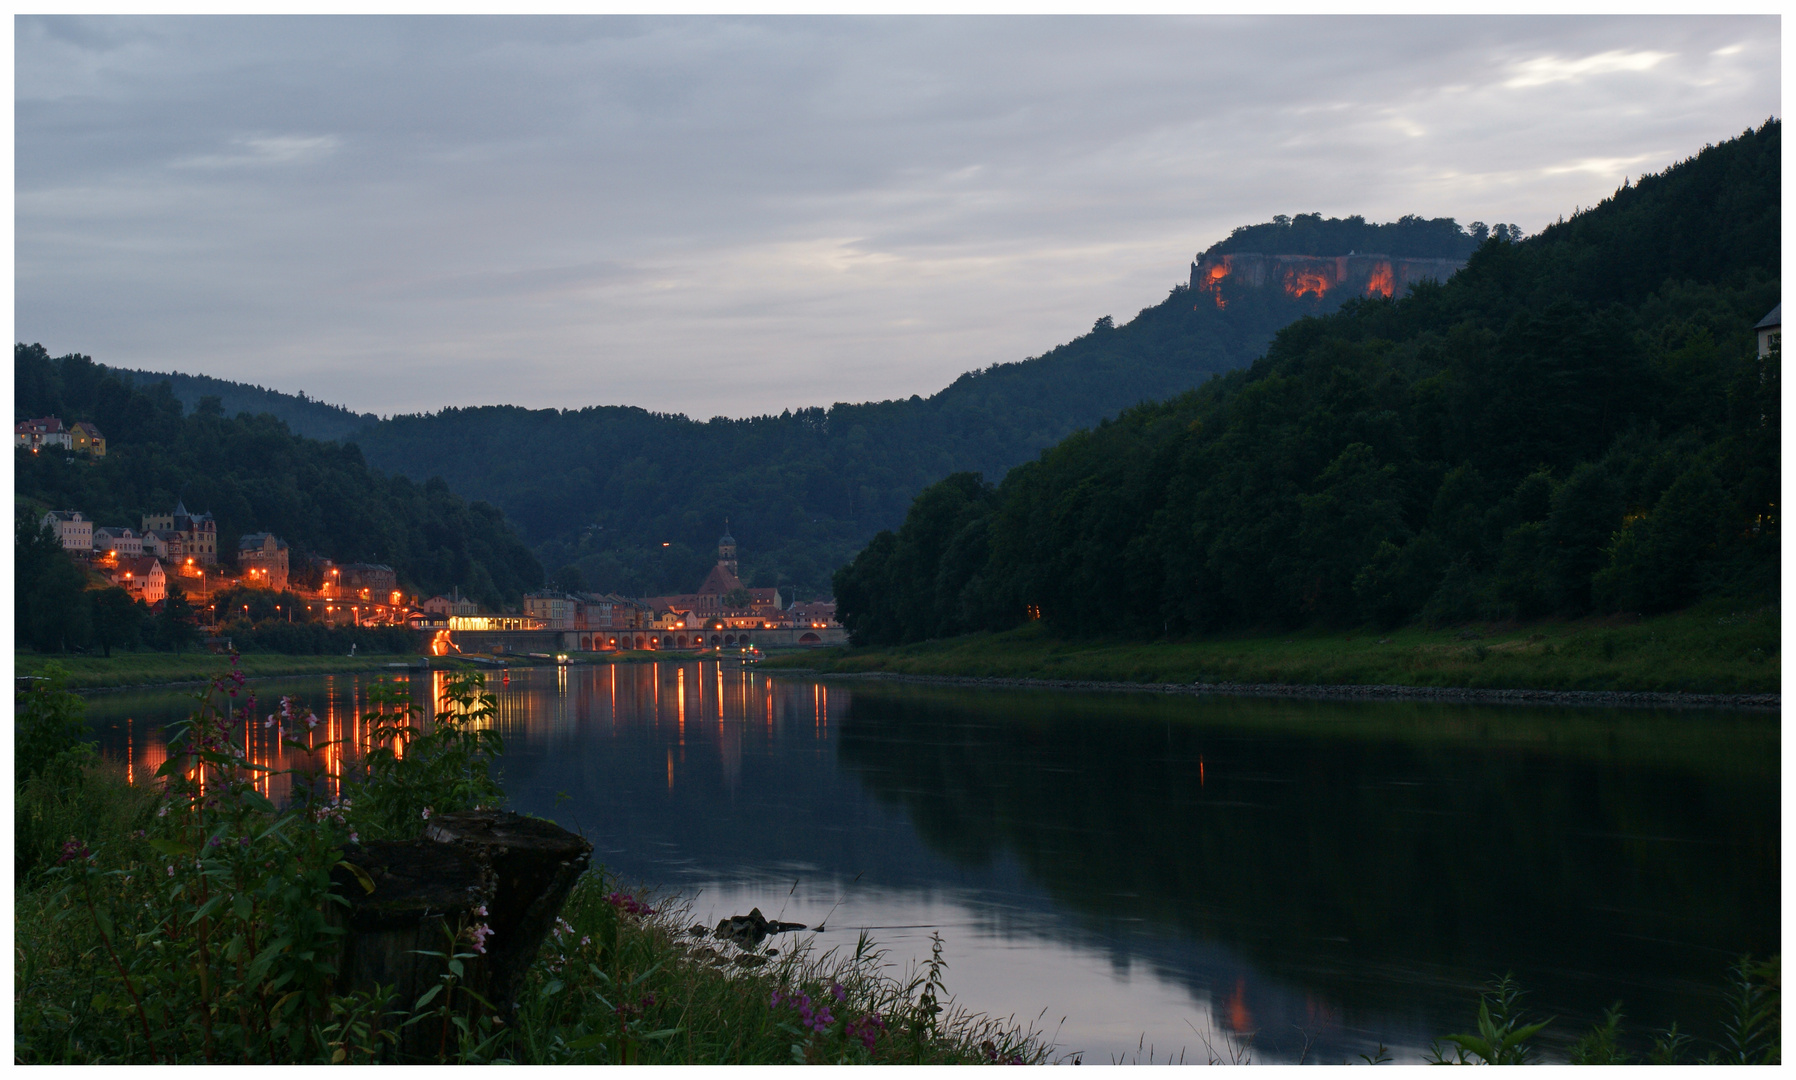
{"points": [[1144, 876]]}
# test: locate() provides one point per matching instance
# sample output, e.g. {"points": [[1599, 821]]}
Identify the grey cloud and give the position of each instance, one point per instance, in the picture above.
{"points": [[735, 215]]}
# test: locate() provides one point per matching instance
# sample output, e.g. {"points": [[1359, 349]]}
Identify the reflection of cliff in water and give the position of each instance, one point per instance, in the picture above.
{"points": [[1344, 842]]}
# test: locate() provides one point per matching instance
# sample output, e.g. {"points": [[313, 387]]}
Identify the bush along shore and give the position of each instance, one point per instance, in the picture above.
{"points": [[194, 919], [1717, 653]]}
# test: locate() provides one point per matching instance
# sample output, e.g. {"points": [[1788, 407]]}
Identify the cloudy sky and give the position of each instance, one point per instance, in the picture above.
{"points": [[734, 216]]}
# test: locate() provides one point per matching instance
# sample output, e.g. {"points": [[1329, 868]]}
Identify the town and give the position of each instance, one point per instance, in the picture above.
{"points": [[180, 550]]}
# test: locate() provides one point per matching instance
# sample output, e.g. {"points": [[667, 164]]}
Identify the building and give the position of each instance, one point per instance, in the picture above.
{"points": [[815, 613], [722, 592], [556, 611], [117, 543], [374, 582], [263, 559], [196, 535], [87, 438], [142, 577], [1316, 275], [75, 531], [451, 605], [154, 543], [45, 431], [1770, 331]]}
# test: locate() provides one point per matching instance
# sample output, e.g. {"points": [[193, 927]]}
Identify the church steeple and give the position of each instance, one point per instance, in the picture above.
{"points": [[726, 550]]}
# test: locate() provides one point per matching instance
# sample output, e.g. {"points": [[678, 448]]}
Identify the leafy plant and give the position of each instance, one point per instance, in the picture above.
{"points": [[1502, 1038], [413, 770]]}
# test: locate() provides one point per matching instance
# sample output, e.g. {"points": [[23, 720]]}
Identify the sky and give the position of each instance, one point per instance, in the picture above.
{"points": [[735, 216]]}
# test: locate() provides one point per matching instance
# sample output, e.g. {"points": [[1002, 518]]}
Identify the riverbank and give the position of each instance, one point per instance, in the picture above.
{"points": [[125, 670], [1714, 649]]}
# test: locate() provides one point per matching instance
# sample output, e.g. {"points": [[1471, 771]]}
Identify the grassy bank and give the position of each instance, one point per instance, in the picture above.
{"points": [[183, 920], [1718, 647], [153, 669]]}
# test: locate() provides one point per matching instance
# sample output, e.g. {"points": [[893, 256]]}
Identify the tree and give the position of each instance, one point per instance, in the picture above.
{"points": [[49, 609], [117, 618], [737, 599], [175, 625]]}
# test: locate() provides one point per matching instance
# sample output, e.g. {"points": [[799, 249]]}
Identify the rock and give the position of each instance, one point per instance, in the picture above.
{"points": [[494, 868], [748, 931]]}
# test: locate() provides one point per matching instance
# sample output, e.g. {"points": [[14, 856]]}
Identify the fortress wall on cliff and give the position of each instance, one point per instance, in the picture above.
{"points": [[1313, 275]]}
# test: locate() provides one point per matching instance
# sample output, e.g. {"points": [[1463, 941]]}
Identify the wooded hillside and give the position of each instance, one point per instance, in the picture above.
{"points": [[1576, 421]]}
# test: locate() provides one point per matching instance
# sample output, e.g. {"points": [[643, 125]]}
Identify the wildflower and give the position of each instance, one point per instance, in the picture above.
{"points": [[481, 911], [162, 811], [838, 992], [311, 720], [73, 850], [270, 721], [478, 933], [562, 927], [243, 841], [427, 813], [584, 940], [286, 708], [354, 839], [171, 871], [216, 841]]}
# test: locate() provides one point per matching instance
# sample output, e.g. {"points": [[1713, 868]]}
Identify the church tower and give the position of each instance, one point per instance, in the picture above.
{"points": [[726, 550]]}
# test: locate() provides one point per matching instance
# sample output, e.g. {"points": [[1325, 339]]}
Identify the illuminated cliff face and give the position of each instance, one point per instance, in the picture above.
{"points": [[1309, 277]]}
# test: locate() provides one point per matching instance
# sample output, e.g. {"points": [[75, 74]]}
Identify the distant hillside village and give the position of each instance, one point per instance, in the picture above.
{"points": [[179, 551]]}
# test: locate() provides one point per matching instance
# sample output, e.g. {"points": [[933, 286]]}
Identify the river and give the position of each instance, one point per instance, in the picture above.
{"points": [[1144, 876]]}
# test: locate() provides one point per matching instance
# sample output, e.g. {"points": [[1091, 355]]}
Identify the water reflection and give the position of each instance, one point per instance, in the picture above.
{"points": [[1327, 873]]}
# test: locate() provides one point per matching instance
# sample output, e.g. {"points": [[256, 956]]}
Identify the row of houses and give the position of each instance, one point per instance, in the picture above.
{"points": [[48, 432], [184, 544]]}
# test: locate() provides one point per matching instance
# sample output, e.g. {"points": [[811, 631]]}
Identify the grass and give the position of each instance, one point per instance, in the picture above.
{"points": [[1715, 647], [157, 668], [621, 979]]}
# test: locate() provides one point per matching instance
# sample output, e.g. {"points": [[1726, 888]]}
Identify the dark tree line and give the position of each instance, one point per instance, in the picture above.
{"points": [[1576, 421], [254, 475]]}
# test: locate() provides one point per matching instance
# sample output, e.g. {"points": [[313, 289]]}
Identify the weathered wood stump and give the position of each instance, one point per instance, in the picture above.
{"points": [[490, 868]]}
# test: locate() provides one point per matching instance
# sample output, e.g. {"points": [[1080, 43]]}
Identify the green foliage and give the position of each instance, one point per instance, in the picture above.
{"points": [[412, 771], [116, 617], [1312, 234], [205, 934], [49, 611], [49, 728], [1502, 1038], [1577, 420], [254, 475], [1753, 1027]]}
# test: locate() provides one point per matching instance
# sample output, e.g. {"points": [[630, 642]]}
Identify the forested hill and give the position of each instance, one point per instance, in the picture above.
{"points": [[605, 488], [1576, 421], [254, 475], [303, 415]]}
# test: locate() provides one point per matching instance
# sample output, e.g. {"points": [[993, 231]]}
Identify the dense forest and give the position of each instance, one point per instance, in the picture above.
{"points": [[605, 488], [1576, 421], [1408, 236], [303, 415], [253, 474]]}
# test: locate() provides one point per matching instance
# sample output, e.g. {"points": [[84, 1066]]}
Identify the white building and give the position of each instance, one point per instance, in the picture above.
{"points": [[121, 542], [74, 530]]}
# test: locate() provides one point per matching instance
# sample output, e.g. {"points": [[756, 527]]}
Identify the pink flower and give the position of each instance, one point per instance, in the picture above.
{"points": [[311, 720], [427, 813], [270, 722]]}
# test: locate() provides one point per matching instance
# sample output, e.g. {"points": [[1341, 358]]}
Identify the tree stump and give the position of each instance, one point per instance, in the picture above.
{"points": [[429, 893]]}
